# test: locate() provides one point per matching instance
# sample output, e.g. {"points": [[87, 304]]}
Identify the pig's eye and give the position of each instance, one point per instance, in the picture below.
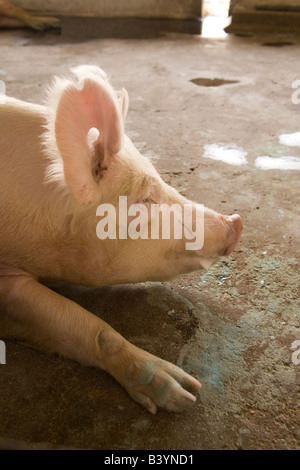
{"points": [[147, 199]]}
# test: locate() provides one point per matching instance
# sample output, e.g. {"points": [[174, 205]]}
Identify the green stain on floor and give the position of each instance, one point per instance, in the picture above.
{"points": [[246, 362]]}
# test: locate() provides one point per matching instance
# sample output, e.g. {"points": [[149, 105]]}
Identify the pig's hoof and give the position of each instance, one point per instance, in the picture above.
{"points": [[155, 383]]}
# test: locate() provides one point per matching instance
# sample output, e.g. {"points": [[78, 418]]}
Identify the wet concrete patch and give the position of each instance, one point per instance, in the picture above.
{"points": [[278, 44]]}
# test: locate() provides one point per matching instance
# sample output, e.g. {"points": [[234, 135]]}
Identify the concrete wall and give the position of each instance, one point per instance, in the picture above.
{"points": [[176, 9], [264, 16], [265, 4]]}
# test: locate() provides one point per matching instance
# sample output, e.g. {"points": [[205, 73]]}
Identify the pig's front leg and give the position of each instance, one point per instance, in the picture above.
{"points": [[31, 311], [150, 381]]}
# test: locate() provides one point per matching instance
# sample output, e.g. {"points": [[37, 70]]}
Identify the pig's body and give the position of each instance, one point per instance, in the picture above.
{"points": [[43, 233], [48, 199]]}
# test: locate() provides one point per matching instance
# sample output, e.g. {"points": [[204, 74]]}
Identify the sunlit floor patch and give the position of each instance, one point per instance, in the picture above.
{"points": [[278, 163], [292, 140], [228, 153], [213, 27]]}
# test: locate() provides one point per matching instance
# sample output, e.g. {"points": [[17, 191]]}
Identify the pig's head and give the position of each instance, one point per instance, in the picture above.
{"points": [[91, 155]]}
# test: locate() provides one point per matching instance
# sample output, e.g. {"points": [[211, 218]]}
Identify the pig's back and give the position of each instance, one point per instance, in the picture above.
{"points": [[21, 156]]}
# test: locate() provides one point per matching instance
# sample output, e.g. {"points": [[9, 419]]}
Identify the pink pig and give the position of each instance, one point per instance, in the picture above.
{"points": [[58, 164]]}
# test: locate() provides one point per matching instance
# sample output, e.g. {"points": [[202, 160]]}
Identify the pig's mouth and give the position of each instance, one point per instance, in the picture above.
{"points": [[206, 263]]}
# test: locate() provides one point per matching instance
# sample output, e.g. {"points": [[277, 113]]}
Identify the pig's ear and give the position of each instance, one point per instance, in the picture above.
{"points": [[123, 99], [78, 106]]}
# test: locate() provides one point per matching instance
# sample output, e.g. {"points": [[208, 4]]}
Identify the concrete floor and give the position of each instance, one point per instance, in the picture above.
{"points": [[233, 326]]}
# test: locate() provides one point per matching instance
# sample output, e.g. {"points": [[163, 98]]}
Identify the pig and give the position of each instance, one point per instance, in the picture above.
{"points": [[12, 16], [59, 162]]}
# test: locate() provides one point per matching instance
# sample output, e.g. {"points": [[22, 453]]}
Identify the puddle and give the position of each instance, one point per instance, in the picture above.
{"points": [[291, 140], [212, 81], [279, 163], [228, 153]]}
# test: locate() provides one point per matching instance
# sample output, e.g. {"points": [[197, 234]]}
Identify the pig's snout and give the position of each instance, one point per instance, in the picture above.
{"points": [[234, 232]]}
